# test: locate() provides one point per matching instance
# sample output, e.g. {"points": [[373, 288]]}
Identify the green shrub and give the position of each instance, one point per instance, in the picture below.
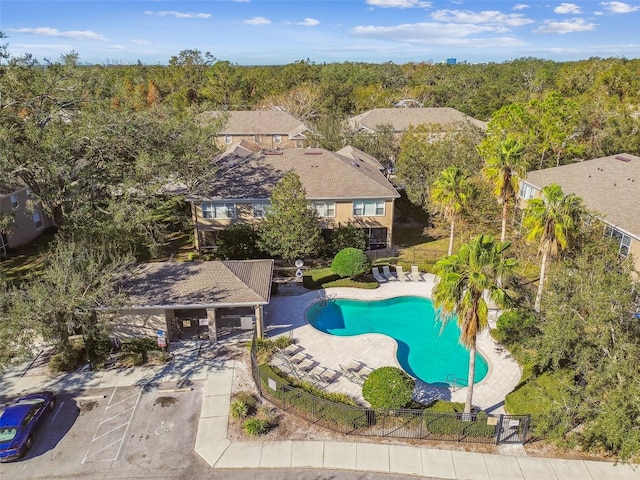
{"points": [[346, 236], [157, 357], [139, 345], [247, 398], [388, 387], [67, 360], [444, 406], [516, 326], [131, 359], [550, 400], [239, 409], [348, 282], [256, 426], [238, 242], [350, 262]]}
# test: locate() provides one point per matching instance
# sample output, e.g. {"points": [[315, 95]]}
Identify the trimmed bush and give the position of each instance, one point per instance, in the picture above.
{"points": [[347, 282], [256, 426], [388, 387], [67, 360], [350, 262], [314, 279]]}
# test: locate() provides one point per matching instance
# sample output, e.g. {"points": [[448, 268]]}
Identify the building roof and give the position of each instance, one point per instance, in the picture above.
{"points": [[402, 118], [259, 122], [356, 154], [200, 284], [325, 175], [609, 186]]}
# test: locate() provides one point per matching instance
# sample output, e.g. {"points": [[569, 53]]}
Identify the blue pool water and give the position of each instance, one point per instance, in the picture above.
{"points": [[426, 351]]}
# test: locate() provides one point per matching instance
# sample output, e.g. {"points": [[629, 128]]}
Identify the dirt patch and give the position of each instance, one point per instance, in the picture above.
{"points": [[87, 406]]}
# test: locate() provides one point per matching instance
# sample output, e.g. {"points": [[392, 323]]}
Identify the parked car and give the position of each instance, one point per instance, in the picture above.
{"points": [[20, 421]]}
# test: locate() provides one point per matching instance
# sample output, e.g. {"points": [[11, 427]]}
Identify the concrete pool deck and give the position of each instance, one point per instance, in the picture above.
{"points": [[286, 316]]}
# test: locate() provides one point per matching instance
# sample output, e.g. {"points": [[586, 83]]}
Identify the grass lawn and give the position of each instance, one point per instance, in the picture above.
{"points": [[26, 260]]}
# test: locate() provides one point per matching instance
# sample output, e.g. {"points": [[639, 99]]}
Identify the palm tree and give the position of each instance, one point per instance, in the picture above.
{"points": [[552, 220], [462, 280], [503, 168], [450, 192]]}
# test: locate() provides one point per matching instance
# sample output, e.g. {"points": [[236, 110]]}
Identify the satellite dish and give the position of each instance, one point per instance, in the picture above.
{"points": [[299, 273], [299, 263]]}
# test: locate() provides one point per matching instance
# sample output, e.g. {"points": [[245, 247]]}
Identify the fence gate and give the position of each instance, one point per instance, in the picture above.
{"points": [[512, 429]]}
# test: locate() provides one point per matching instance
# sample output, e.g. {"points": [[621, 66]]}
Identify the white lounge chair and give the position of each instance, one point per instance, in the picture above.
{"points": [[400, 273], [376, 274], [415, 274], [387, 273]]}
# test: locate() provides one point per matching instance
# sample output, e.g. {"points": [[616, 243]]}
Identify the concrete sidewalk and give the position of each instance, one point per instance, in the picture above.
{"points": [[214, 447]]}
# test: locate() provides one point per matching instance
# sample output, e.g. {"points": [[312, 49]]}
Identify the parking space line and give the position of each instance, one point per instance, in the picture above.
{"points": [[56, 414], [128, 423], [120, 439]]}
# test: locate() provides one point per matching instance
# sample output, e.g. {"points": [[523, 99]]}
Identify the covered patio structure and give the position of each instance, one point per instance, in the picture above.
{"points": [[188, 300]]}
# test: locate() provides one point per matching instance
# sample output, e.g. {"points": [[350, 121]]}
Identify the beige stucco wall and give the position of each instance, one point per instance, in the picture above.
{"points": [[137, 323], [634, 250], [344, 215], [24, 229], [266, 141]]}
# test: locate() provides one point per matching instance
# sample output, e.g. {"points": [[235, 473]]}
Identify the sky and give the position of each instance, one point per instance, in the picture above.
{"points": [[276, 32]]}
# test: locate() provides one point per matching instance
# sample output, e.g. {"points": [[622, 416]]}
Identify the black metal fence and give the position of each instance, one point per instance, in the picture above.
{"points": [[396, 423]]}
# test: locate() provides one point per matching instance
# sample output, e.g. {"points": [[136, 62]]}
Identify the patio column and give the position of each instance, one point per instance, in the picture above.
{"points": [[259, 321], [213, 327]]}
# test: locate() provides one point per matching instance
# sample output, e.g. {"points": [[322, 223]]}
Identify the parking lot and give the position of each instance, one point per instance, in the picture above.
{"points": [[122, 432]]}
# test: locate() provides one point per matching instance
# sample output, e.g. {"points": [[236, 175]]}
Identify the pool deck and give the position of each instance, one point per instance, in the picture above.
{"points": [[285, 316]]}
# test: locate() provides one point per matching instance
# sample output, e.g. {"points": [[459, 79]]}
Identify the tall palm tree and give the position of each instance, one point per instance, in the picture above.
{"points": [[551, 219], [503, 168], [450, 192], [462, 280]]}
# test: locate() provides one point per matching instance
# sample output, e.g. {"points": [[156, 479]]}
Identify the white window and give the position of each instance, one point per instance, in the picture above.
{"points": [[260, 209], [218, 210], [325, 209], [14, 201], [277, 138], [526, 191], [368, 208], [228, 139], [37, 220], [624, 239]]}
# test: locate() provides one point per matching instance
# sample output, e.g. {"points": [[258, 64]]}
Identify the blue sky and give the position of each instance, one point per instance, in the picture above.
{"points": [[271, 32]]}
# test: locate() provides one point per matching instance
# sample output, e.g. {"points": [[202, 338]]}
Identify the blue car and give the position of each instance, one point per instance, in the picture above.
{"points": [[19, 422]]}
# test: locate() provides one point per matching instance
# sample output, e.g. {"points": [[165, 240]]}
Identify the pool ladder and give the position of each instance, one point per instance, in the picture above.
{"points": [[455, 382]]}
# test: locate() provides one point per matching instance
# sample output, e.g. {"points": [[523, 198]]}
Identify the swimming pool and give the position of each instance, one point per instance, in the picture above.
{"points": [[426, 351]]}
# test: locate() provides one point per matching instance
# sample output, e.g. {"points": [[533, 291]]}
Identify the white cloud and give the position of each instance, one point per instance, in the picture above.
{"points": [[520, 6], [54, 32], [619, 7], [431, 33], [308, 22], [257, 21], [567, 26], [173, 13], [565, 8], [139, 41], [490, 17], [119, 48], [399, 3]]}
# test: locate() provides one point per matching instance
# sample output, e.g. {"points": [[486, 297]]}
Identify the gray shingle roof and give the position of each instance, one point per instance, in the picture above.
{"points": [[205, 284], [260, 122], [607, 185], [324, 175], [402, 118], [356, 154]]}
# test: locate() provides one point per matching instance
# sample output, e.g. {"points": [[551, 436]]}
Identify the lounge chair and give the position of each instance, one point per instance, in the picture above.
{"points": [[292, 349], [400, 273], [387, 273], [377, 275], [415, 274], [306, 364]]}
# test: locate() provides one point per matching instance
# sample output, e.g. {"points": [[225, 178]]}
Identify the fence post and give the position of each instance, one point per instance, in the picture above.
{"points": [[499, 429]]}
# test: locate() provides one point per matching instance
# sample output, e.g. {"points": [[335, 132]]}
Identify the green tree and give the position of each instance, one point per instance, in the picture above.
{"points": [[76, 279], [345, 236], [450, 193], [503, 169], [462, 280], [552, 221], [350, 262], [238, 242], [291, 228]]}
